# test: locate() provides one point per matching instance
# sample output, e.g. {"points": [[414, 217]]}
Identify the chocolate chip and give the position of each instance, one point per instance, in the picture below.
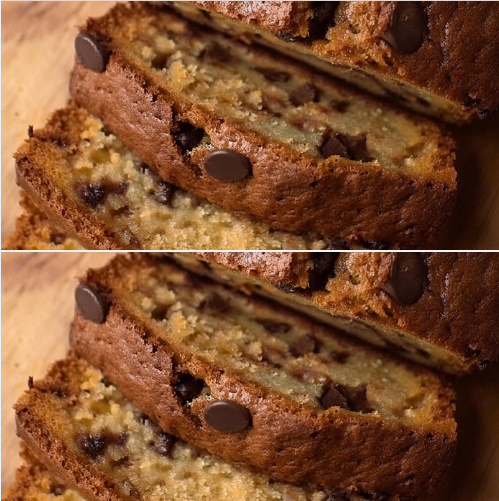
{"points": [[188, 137], [356, 147], [407, 279], [273, 326], [286, 287], [347, 397], [30, 382], [163, 193], [188, 387], [163, 443], [227, 416], [332, 146], [286, 37], [91, 52], [91, 304], [92, 194], [305, 344], [322, 271], [227, 165], [323, 19], [407, 29], [215, 52], [30, 131], [331, 397], [304, 94], [92, 445], [274, 75]]}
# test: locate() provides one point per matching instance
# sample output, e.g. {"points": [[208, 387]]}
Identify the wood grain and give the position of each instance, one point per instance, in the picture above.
{"points": [[37, 56], [37, 306]]}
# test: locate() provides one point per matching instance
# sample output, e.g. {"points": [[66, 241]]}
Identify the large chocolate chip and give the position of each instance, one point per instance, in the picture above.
{"points": [[227, 416], [407, 278], [188, 136], [332, 146], [92, 445], [188, 388], [92, 54], [227, 165], [406, 33], [92, 305], [322, 271], [356, 147]]}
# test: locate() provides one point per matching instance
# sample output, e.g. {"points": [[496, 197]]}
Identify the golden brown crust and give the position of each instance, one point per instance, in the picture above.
{"points": [[458, 311], [456, 62], [289, 191], [135, 357]]}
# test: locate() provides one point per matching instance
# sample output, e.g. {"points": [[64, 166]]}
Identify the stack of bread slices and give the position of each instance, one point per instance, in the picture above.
{"points": [[202, 378], [259, 125]]}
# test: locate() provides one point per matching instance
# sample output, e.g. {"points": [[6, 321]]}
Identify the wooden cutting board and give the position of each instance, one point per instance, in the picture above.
{"points": [[37, 307], [37, 56]]}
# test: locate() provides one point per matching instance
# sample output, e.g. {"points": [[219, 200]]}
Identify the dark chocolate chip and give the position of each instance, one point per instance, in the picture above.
{"points": [[227, 416], [286, 287], [30, 382], [302, 346], [356, 147], [163, 193], [274, 75], [91, 304], [163, 443], [407, 279], [407, 29], [347, 397], [30, 131], [188, 137], [92, 445], [273, 326], [331, 146], [304, 94], [92, 194], [227, 165], [91, 52], [322, 271], [331, 397], [286, 37], [323, 19], [188, 387], [57, 490], [215, 52]]}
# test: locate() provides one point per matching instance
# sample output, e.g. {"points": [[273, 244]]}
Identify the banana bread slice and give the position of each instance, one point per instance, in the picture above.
{"points": [[254, 132], [253, 382], [439, 309], [99, 193], [427, 56], [102, 446]]}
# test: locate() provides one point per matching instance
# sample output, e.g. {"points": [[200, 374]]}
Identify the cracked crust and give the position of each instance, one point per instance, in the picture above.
{"points": [[456, 318], [452, 76]]}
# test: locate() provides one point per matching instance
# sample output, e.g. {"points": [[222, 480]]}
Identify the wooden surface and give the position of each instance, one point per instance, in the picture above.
{"points": [[37, 55], [37, 306]]}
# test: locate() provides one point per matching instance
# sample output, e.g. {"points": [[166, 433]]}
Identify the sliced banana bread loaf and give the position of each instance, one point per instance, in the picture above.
{"points": [[253, 382], [102, 446], [428, 56], [439, 309], [254, 132], [99, 193]]}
